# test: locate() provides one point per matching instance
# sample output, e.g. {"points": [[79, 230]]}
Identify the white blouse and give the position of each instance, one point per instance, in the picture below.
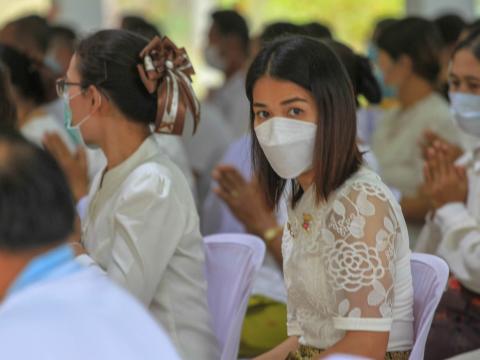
{"points": [[347, 265], [453, 232], [142, 228]]}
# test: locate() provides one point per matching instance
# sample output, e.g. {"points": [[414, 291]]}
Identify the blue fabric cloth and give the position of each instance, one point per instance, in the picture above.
{"points": [[54, 264]]}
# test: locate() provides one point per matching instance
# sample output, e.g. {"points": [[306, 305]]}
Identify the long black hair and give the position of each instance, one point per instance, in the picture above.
{"points": [[314, 66]]}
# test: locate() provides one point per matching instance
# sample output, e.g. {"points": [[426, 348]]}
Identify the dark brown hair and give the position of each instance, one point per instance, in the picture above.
{"points": [[417, 38], [313, 65]]}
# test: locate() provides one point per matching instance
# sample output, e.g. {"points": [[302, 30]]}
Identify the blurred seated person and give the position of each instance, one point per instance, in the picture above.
{"points": [[51, 307], [29, 97], [61, 47], [409, 57], [227, 51], [452, 228]]}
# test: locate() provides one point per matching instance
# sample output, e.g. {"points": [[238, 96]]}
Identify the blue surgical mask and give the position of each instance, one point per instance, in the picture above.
{"points": [[74, 130], [51, 62], [388, 91], [466, 111]]}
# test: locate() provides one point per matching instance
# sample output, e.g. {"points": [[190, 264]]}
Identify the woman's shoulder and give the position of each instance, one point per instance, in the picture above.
{"points": [[365, 181]]}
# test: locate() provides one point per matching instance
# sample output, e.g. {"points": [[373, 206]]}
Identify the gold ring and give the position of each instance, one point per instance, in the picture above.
{"points": [[234, 193]]}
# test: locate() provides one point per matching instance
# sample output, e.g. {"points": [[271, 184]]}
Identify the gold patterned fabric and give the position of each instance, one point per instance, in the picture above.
{"points": [[308, 352]]}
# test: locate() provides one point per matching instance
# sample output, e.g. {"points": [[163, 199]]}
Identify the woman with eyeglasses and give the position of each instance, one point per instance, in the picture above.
{"points": [[141, 224]]}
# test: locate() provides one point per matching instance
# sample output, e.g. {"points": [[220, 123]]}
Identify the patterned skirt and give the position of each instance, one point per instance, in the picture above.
{"points": [[307, 352]]}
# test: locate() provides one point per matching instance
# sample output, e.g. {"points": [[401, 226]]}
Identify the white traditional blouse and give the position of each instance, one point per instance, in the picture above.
{"points": [[142, 228], [347, 265]]}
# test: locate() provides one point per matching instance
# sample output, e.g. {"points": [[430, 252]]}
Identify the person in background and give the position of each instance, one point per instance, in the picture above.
{"points": [[340, 214], [8, 110], [227, 51], [29, 97], [409, 57], [469, 28], [140, 25], [139, 219], [370, 116], [51, 307], [450, 27], [61, 46], [452, 229], [317, 30], [31, 35]]}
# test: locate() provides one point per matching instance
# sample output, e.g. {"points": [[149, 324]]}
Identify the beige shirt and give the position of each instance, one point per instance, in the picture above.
{"points": [[396, 141], [142, 228], [346, 265]]}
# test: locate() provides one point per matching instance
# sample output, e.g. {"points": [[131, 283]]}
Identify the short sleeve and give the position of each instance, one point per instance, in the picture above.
{"points": [[363, 229]]}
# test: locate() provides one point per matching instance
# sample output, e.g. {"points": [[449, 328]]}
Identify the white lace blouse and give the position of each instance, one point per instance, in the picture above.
{"points": [[347, 265]]}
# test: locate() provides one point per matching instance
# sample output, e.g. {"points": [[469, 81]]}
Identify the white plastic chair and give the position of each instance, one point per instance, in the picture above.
{"points": [[430, 276], [232, 261]]}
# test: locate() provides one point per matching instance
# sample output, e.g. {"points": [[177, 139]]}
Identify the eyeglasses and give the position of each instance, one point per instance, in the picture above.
{"points": [[62, 85]]}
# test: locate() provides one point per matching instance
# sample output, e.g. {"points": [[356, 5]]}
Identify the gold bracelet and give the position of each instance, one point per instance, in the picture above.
{"points": [[272, 233]]}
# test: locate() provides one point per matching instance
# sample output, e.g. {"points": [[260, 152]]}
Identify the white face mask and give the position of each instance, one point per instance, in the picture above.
{"points": [[466, 111], [214, 59], [288, 145]]}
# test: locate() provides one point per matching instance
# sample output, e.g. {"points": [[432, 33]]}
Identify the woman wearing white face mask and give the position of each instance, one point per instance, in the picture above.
{"points": [[345, 245], [453, 230]]}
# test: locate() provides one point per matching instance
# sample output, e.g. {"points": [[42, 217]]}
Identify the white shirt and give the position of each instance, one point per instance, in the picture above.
{"points": [[233, 103], [36, 129], [346, 265], [454, 231], [79, 316], [142, 229]]}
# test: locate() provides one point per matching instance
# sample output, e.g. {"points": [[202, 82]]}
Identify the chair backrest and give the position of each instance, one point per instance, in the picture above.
{"points": [[430, 276], [232, 261]]}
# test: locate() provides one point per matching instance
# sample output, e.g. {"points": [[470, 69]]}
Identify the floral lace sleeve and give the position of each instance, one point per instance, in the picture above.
{"points": [[362, 229]]}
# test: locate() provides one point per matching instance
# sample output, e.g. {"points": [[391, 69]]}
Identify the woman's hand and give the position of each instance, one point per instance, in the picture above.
{"points": [[444, 181], [245, 200], [431, 139], [74, 165]]}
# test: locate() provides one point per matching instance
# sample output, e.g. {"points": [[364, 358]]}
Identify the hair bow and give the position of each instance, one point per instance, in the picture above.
{"points": [[167, 70]]}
